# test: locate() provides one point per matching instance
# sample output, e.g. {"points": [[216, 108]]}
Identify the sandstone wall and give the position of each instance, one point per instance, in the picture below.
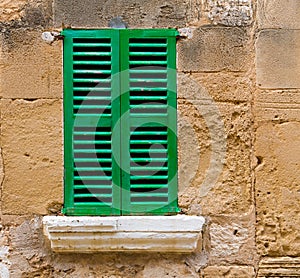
{"points": [[239, 130]]}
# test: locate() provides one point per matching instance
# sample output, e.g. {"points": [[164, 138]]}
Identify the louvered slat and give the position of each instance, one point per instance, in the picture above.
{"points": [[145, 145], [96, 102], [92, 184]]}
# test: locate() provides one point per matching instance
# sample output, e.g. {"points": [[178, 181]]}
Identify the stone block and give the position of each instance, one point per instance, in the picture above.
{"points": [[32, 155], [20, 82], [230, 13], [167, 268], [214, 153], [27, 47], [232, 239], [137, 14], [279, 267], [31, 67], [24, 236], [277, 188], [229, 272], [278, 59], [277, 106], [226, 87], [281, 14], [214, 49]]}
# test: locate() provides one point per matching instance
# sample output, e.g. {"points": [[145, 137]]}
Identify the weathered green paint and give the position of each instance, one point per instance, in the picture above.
{"points": [[68, 124]]}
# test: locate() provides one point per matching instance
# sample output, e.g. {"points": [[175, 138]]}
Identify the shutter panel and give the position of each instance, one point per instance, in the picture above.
{"points": [[92, 107], [148, 107]]}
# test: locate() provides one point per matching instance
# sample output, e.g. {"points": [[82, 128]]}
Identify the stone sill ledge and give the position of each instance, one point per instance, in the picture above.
{"points": [[89, 234]]}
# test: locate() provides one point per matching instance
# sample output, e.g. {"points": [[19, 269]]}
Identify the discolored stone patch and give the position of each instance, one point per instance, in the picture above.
{"points": [[137, 14], [277, 59], [281, 14], [229, 272], [31, 67], [214, 49], [277, 188], [32, 154], [18, 14]]}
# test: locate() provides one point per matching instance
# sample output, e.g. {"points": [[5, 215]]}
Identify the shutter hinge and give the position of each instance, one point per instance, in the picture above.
{"points": [[185, 33]]}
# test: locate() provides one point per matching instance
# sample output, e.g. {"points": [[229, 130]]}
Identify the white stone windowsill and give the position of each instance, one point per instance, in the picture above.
{"points": [[88, 234]]}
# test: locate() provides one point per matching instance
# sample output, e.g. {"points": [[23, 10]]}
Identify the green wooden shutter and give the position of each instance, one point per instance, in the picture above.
{"points": [[92, 107], [120, 122], [148, 107]]}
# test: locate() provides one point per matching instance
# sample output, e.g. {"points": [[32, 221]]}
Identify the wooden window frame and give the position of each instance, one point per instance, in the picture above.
{"points": [[120, 119]]}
